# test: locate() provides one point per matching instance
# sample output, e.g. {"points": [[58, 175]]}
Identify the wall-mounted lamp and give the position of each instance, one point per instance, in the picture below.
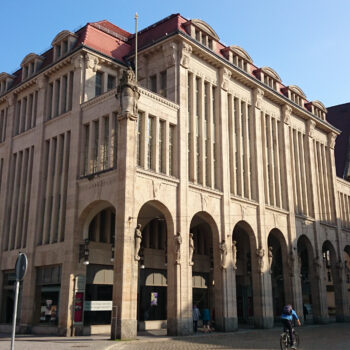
{"points": [[84, 252], [112, 258]]}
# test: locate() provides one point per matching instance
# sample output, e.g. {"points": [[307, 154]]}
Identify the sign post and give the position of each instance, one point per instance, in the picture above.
{"points": [[21, 269]]}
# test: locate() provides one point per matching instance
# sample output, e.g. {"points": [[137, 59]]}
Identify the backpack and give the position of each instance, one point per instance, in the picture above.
{"points": [[287, 310]]}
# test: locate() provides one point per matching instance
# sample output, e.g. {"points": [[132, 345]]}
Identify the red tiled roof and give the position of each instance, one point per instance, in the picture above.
{"points": [[112, 27]]}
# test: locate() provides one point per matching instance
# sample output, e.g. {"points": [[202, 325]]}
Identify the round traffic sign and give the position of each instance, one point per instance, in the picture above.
{"points": [[21, 266]]}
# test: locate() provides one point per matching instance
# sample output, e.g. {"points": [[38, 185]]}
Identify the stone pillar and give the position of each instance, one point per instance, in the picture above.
{"points": [[263, 309], [228, 315], [124, 313], [340, 285], [169, 51], [29, 303], [319, 293], [180, 278], [292, 275], [70, 266]]}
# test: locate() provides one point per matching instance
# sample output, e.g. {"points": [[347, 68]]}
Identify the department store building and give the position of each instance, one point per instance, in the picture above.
{"points": [[205, 181]]}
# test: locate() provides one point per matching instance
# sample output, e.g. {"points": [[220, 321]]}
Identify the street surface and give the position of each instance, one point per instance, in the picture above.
{"points": [[334, 336]]}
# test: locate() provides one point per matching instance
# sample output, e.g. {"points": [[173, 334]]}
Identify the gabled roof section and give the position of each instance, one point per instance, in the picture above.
{"points": [[297, 90], [31, 57], [107, 43], [205, 27], [272, 73], [241, 52], [111, 29], [61, 36], [5, 75]]}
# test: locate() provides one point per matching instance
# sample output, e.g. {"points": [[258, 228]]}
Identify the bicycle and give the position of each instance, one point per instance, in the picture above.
{"points": [[285, 339]]}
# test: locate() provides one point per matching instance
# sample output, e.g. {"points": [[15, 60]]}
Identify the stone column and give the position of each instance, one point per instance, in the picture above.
{"points": [[292, 277], [263, 309], [124, 313], [29, 304], [180, 277], [70, 266], [340, 285], [91, 63], [319, 293], [227, 321]]}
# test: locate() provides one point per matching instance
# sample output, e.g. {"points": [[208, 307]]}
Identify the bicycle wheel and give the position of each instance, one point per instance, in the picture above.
{"points": [[284, 339], [296, 339]]}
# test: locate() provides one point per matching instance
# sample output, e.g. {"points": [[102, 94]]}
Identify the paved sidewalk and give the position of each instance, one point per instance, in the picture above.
{"points": [[314, 337]]}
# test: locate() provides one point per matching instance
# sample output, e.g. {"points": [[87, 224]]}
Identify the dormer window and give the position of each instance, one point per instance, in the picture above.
{"points": [[5, 82], [202, 32], [63, 43], [30, 65], [268, 76], [237, 56], [317, 108]]}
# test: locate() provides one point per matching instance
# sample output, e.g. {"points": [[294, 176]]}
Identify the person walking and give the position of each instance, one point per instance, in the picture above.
{"points": [[196, 315]]}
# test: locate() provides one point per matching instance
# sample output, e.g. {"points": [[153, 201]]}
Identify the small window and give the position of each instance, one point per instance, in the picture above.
{"points": [[110, 82], [197, 35], [210, 43], [153, 83], [58, 51], [163, 85], [65, 46], [98, 84]]}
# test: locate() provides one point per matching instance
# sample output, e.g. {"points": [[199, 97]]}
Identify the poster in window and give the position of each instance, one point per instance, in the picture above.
{"points": [[154, 299]]}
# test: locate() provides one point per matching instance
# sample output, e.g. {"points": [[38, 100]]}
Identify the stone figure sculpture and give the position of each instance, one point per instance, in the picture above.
{"points": [[223, 253], [138, 239], [191, 249], [234, 254], [260, 255], [270, 256], [178, 242]]}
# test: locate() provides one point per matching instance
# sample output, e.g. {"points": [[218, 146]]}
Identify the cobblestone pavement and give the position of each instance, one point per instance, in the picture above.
{"points": [[324, 337]]}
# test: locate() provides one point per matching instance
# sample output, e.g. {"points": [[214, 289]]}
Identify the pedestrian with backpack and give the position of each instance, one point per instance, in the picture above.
{"points": [[288, 314]]}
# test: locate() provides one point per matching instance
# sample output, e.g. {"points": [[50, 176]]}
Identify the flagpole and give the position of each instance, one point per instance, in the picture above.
{"points": [[136, 17]]}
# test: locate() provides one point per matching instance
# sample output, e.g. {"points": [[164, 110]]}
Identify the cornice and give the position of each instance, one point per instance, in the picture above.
{"points": [[158, 98], [98, 99]]}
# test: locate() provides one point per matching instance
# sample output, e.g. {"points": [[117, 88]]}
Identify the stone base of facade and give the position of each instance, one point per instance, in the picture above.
{"points": [[264, 322], [123, 329], [230, 324], [180, 327]]}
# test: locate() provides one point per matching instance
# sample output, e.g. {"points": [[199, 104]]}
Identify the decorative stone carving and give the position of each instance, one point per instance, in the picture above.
{"points": [[185, 54], [331, 139], [191, 249], [128, 95], [138, 239], [258, 97], [311, 127], [10, 100], [91, 62], [204, 200], [141, 67], [169, 51], [41, 81], [225, 78], [223, 253], [178, 242], [234, 255], [260, 252], [286, 114], [270, 256], [156, 188], [78, 61]]}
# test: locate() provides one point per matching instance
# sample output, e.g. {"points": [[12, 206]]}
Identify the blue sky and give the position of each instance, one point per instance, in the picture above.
{"points": [[307, 42]]}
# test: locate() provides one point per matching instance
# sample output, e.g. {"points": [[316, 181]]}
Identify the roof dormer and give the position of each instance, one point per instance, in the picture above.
{"points": [[202, 32], [317, 108], [237, 56], [6, 81], [63, 43], [295, 94], [268, 76], [30, 65]]}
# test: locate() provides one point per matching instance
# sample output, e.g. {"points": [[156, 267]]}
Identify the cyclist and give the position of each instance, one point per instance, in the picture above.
{"points": [[288, 314]]}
